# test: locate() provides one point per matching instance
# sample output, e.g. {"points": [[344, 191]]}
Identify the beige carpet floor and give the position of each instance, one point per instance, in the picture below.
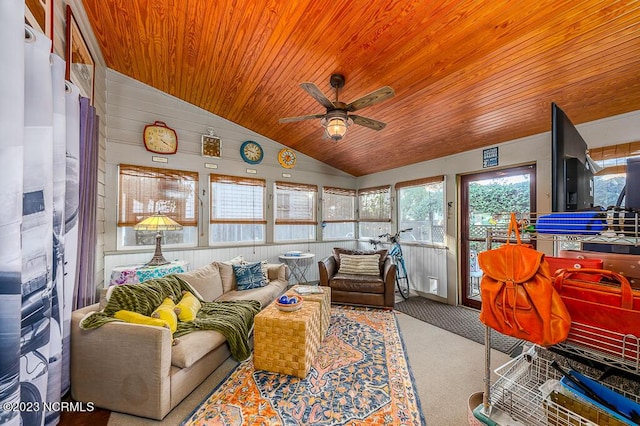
{"points": [[447, 369]]}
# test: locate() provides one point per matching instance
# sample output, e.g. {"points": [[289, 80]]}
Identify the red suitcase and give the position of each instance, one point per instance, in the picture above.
{"points": [[627, 265]]}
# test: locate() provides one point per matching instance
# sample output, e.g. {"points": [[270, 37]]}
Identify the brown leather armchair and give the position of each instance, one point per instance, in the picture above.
{"points": [[352, 289]]}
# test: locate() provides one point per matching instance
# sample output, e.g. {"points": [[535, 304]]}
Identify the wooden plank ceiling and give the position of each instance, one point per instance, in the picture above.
{"points": [[467, 74]]}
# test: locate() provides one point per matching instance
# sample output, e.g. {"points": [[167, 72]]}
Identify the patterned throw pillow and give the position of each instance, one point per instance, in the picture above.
{"points": [[249, 276], [337, 251], [359, 264]]}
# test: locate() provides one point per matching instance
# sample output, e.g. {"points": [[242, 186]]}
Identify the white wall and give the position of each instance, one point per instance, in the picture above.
{"points": [[131, 105]]}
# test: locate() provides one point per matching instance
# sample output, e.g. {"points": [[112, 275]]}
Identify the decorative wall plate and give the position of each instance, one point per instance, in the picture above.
{"points": [[287, 158], [251, 152]]}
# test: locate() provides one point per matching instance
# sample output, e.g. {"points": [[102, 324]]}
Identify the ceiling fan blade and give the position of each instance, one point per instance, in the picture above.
{"points": [[300, 118], [368, 122], [382, 94], [317, 94]]}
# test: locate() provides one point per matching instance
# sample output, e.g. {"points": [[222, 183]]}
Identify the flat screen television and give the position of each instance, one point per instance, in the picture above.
{"points": [[571, 176]]}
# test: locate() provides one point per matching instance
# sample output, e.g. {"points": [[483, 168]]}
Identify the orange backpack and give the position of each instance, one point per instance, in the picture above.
{"points": [[518, 296]]}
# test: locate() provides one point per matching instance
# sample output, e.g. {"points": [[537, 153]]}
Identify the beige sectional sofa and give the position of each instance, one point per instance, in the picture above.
{"points": [[135, 369]]}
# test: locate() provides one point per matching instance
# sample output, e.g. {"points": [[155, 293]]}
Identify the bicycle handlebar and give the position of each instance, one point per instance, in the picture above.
{"points": [[396, 235]]}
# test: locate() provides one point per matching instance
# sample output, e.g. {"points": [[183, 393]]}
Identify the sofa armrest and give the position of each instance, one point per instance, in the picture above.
{"points": [[327, 268], [389, 277], [121, 366]]}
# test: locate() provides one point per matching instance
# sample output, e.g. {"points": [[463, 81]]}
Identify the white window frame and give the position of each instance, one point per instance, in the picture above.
{"points": [[181, 206], [241, 213], [337, 200], [308, 221], [374, 220], [425, 230]]}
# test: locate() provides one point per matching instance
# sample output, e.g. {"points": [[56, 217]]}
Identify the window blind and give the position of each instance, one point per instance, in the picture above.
{"points": [[338, 204], [237, 199], [295, 203], [147, 190], [374, 204]]}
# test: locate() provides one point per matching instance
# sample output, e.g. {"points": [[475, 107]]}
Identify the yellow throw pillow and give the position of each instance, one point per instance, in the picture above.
{"points": [[136, 318], [166, 312], [188, 307]]}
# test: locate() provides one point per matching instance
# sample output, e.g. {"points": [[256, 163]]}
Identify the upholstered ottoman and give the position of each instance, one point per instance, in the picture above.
{"points": [[324, 299], [287, 342]]}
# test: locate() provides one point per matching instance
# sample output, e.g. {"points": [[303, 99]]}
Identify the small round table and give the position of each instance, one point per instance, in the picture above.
{"points": [[299, 264]]}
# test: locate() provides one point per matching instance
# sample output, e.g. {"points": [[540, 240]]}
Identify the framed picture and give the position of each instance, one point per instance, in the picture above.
{"points": [[39, 14], [211, 146], [80, 65]]}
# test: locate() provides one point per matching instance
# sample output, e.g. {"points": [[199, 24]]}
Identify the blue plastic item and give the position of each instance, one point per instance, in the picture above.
{"points": [[586, 223], [623, 404]]}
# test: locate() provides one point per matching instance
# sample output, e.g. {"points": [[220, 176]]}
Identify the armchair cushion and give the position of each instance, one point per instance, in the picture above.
{"points": [[337, 251], [358, 283], [359, 264]]}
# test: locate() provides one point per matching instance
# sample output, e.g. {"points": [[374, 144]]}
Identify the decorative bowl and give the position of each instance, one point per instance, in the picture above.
{"points": [[290, 307]]}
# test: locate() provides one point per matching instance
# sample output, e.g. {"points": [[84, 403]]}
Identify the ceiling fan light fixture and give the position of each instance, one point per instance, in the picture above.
{"points": [[336, 125]]}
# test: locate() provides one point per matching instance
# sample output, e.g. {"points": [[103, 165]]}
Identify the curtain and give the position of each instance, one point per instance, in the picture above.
{"points": [[70, 252], [11, 152], [85, 292], [35, 218]]}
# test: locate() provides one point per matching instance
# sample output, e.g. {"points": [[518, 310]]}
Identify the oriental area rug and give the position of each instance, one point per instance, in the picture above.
{"points": [[360, 375]]}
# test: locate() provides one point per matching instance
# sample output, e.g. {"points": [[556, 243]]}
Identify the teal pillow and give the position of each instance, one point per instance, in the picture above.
{"points": [[249, 276]]}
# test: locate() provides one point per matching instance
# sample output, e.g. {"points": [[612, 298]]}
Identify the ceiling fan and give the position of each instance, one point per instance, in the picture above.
{"points": [[337, 118]]}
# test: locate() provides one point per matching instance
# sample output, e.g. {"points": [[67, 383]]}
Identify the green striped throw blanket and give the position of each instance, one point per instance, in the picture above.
{"points": [[234, 319]]}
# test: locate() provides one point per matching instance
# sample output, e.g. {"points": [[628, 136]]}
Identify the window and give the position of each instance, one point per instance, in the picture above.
{"points": [[374, 214], [338, 213], [608, 182], [295, 211], [237, 209], [147, 190], [421, 207]]}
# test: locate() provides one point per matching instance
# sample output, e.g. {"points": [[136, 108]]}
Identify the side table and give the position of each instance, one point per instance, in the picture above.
{"points": [[323, 297], [299, 264], [286, 342], [133, 274]]}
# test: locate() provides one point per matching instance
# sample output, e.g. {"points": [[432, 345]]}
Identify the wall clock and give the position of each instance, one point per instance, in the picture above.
{"points": [[251, 152], [211, 146], [160, 139], [287, 158]]}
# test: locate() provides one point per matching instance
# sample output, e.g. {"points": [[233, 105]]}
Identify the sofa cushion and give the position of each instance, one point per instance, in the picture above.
{"points": [[136, 318], [359, 264], [249, 276], [357, 283], [227, 276], [337, 251], [205, 280], [264, 295], [277, 271], [187, 308], [167, 313], [193, 346]]}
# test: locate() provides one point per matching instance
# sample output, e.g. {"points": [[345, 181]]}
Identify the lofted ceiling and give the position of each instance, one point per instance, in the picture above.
{"points": [[466, 74]]}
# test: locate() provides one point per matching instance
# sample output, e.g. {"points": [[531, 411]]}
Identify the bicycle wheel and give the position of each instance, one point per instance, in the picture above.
{"points": [[402, 279]]}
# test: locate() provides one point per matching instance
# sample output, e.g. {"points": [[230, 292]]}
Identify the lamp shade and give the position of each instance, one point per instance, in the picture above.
{"points": [[157, 222], [336, 124]]}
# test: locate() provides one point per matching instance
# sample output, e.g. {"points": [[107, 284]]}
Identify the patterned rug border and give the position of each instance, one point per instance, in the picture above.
{"points": [[406, 357], [339, 307]]}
